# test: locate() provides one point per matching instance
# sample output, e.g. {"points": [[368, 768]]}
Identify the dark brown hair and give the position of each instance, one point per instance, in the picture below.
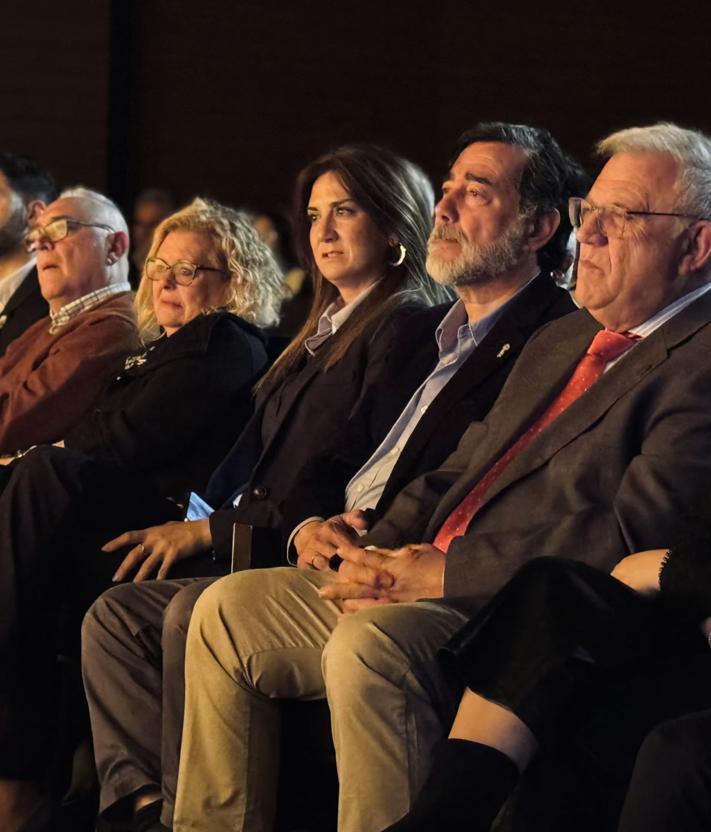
{"points": [[399, 199]]}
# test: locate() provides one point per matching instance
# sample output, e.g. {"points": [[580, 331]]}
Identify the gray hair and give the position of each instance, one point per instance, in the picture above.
{"points": [[103, 210], [690, 148]]}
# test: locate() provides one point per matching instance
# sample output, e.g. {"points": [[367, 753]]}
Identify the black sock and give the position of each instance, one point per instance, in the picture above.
{"points": [[466, 788]]}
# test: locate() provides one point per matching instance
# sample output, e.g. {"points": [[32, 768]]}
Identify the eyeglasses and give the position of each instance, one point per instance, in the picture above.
{"points": [[57, 229], [611, 221], [183, 272]]}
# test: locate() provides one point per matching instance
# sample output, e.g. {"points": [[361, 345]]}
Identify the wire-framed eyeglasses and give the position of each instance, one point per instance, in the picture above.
{"points": [[610, 220], [57, 229], [183, 272]]}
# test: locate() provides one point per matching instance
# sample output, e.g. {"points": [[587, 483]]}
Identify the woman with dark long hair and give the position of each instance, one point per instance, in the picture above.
{"points": [[362, 220]]}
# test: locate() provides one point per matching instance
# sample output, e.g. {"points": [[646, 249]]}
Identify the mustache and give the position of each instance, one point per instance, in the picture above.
{"points": [[441, 231]]}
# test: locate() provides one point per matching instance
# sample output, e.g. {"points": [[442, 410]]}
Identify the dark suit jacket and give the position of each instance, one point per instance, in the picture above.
{"points": [[621, 470], [470, 394], [466, 398], [170, 418], [25, 307], [343, 412]]}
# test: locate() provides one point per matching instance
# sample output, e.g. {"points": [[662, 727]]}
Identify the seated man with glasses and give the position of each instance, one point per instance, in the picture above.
{"points": [[54, 371], [599, 445]]}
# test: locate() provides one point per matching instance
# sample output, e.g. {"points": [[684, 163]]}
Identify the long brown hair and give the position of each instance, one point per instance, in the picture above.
{"points": [[399, 199]]}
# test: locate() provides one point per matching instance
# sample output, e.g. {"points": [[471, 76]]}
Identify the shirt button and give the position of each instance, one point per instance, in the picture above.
{"points": [[260, 492], [359, 489], [423, 409]]}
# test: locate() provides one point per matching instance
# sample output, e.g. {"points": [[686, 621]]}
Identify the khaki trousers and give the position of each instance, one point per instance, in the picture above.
{"points": [[259, 636]]}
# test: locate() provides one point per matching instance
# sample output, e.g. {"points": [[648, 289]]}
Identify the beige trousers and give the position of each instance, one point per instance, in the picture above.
{"points": [[264, 635]]}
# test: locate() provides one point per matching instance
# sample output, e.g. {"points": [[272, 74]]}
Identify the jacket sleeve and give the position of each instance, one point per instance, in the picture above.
{"points": [[177, 402], [45, 404]]}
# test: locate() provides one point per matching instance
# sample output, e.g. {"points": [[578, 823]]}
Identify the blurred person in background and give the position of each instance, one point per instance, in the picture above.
{"points": [[25, 190]]}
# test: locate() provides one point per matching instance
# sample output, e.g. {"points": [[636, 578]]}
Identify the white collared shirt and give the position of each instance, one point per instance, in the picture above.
{"points": [[644, 330]]}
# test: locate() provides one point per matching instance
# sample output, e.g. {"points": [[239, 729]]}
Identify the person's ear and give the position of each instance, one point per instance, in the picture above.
{"points": [[117, 243], [34, 208], [543, 227], [696, 254]]}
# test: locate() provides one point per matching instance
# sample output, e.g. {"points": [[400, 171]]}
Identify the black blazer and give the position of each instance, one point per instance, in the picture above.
{"points": [[315, 415], [172, 416], [466, 398], [25, 307]]}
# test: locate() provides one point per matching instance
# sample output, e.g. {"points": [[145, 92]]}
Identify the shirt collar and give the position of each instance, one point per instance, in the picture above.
{"points": [[455, 327], [661, 317], [332, 319], [86, 302]]}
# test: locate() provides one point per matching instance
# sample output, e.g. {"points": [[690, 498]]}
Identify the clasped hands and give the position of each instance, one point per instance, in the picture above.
{"points": [[372, 576]]}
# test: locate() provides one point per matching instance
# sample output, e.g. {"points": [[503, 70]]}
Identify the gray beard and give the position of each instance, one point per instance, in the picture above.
{"points": [[478, 263]]}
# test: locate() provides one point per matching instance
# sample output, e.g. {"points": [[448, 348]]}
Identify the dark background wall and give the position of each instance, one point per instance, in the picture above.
{"points": [[231, 98]]}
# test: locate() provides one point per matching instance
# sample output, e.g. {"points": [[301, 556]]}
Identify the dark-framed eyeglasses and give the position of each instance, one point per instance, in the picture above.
{"points": [[610, 220], [57, 229], [183, 272]]}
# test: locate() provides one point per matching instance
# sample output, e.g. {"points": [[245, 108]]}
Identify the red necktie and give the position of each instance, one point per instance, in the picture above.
{"points": [[606, 346]]}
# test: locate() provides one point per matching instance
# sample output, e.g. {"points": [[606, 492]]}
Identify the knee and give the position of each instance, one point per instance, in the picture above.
{"points": [[544, 570], [673, 746], [360, 650], [176, 617], [243, 597], [101, 619]]}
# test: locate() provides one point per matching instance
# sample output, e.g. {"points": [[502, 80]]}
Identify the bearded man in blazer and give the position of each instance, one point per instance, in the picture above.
{"points": [[619, 471], [506, 293]]}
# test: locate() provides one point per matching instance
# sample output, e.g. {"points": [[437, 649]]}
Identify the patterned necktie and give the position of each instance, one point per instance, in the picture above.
{"points": [[606, 346]]}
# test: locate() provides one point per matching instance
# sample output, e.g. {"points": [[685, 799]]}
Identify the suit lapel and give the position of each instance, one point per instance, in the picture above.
{"points": [[537, 378], [28, 286], [589, 408], [312, 367], [502, 345]]}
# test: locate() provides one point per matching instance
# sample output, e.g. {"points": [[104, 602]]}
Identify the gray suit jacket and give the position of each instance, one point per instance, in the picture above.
{"points": [[623, 469]]}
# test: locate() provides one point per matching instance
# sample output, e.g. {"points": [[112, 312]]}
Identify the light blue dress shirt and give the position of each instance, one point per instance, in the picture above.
{"points": [[456, 340]]}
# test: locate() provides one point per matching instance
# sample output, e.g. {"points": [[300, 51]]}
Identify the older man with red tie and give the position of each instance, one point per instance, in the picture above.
{"points": [[597, 447]]}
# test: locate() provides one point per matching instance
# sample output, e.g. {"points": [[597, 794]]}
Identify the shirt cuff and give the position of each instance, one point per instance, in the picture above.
{"points": [[292, 557]]}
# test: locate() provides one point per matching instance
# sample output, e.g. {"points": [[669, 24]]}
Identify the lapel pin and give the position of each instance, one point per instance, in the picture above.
{"points": [[502, 352]]}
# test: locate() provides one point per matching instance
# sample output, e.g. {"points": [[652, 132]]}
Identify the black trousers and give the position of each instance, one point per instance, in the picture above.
{"points": [[57, 508], [671, 783], [590, 667]]}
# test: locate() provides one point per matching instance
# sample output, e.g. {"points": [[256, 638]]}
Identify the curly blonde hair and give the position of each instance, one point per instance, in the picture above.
{"points": [[255, 280]]}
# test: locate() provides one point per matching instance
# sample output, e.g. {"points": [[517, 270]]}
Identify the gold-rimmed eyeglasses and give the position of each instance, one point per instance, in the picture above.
{"points": [[57, 229], [183, 272], [610, 220]]}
